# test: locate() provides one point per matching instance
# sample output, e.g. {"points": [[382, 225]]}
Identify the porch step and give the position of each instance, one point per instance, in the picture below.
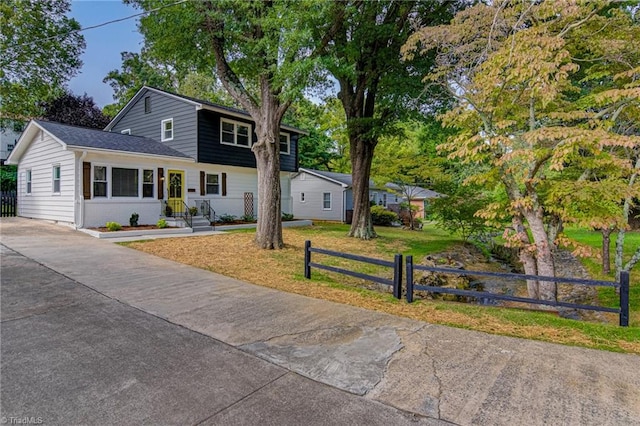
{"points": [[200, 224]]}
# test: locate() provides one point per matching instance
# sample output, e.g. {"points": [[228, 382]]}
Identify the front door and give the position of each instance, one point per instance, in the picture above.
{"points": [[176, 191]]}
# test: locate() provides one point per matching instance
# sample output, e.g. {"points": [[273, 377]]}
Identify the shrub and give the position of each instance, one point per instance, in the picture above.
{"points": [[113, 226], [382, 217], [248, 218], [193, 211], [162, 224], [133, 220], [227, 218], [287, 216]]}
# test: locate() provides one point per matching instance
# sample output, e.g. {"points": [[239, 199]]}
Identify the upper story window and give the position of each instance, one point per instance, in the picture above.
{"points": [[284, 143], [167, 129], [126, 131], [147, 104], [10, 147], [56, 179], [302, 197], [28, 181], [235, 133]]}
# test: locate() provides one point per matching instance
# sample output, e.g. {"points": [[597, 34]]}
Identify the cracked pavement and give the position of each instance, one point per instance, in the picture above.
{"points": [[431, 372]]}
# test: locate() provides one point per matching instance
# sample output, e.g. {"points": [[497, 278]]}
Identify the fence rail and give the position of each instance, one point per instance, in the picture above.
{"points": [[396, 283]]}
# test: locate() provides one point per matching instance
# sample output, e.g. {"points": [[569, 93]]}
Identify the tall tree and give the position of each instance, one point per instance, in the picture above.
{"points": [[262, 54], [76, 110], [509, 65], [362, 55], [316, 150], [41, 51]]}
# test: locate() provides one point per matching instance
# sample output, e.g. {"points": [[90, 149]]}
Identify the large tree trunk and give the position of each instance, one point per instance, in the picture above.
{"points": [[267, 153], [361, 157], [544, 258], [527, 258]]}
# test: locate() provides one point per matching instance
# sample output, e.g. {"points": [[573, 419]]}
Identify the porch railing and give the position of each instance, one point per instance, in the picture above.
{"points": [[178, 209], [204, 207]]}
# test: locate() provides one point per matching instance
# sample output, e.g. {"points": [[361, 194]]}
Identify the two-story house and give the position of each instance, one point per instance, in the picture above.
{"points": [[161, 150]]}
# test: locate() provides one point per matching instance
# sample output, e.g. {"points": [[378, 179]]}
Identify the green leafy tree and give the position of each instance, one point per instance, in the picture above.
{"points": [[262, 53], [75, 110], [510, 66], [316, 150], [375, 87], [41, 51]]}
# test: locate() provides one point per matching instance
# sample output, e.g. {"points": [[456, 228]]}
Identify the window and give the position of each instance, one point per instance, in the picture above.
{"points": [[213, 184], [302, 197], [234, 133], [147, 104], [284, 143], [28, 179], [147, 184], [100, 181], [373, 197], [10, 147], [126, 131], [326, 201], [56, 179], [124, 182], [167, 130]]}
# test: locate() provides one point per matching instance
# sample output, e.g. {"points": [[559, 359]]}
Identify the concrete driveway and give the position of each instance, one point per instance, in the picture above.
{"points": [[96, 333]]}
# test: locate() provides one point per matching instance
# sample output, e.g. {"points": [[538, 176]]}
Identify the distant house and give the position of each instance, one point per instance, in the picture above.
{"points": [[160, 150], [325, 195], [419, 196], [9, 135]]}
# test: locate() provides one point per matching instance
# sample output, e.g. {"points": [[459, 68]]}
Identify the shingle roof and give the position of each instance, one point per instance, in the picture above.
{"points": [[343, 178], [83, 137], [416, 192]]}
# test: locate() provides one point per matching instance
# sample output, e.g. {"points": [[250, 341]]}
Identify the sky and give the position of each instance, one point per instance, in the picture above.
{"points": [[103, 45]]}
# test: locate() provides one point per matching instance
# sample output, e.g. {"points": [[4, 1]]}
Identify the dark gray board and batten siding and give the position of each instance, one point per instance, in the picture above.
{"points": [[211, 151], [185, 130]]}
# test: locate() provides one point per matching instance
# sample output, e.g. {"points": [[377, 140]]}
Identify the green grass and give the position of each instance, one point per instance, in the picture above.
{"points": [[608, 296]]}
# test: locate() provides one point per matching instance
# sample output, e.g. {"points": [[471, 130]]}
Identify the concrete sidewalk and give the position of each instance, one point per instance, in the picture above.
{"points": [[453, 375]]}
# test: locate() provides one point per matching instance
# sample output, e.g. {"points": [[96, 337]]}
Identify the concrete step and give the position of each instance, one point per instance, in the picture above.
{"points": [[202, 228]]}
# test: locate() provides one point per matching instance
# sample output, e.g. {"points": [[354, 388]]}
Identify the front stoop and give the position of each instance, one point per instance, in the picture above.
{"points": [[201, 224]]}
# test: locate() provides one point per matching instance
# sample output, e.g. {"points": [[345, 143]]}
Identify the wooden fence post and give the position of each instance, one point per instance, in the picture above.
{"points": [[624, 299], [307, 259], [397, 276], [409, 279]]}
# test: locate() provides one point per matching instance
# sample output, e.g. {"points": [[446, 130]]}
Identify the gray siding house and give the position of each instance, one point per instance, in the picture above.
{"points": [[325, 195], [160, 150]]}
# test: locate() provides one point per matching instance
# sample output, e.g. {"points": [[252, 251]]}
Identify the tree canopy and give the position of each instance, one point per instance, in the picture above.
{"points": [[75, 110], [519, 72], [41, 51]]}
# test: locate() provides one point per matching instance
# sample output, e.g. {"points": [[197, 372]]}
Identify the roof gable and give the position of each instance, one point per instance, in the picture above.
{"points": [[197, 103], [343, 179]]}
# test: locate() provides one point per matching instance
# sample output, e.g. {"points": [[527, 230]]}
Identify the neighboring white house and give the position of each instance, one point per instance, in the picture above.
{"points": [[161, 150], [325, 195], [9, 135]]}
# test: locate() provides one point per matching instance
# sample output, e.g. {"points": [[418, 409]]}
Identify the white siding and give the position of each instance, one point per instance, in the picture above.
{"points": [[313, 188], [42, 203]]}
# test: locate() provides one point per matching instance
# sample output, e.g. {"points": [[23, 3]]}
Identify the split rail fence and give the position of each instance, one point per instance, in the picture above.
{"points": [[410, 286]]}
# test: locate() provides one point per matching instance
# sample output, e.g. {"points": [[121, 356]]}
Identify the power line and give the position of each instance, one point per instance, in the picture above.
{"points": [[99, 25]]}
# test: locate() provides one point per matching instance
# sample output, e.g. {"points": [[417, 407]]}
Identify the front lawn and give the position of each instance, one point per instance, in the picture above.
{"points": [[234, 254]]}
